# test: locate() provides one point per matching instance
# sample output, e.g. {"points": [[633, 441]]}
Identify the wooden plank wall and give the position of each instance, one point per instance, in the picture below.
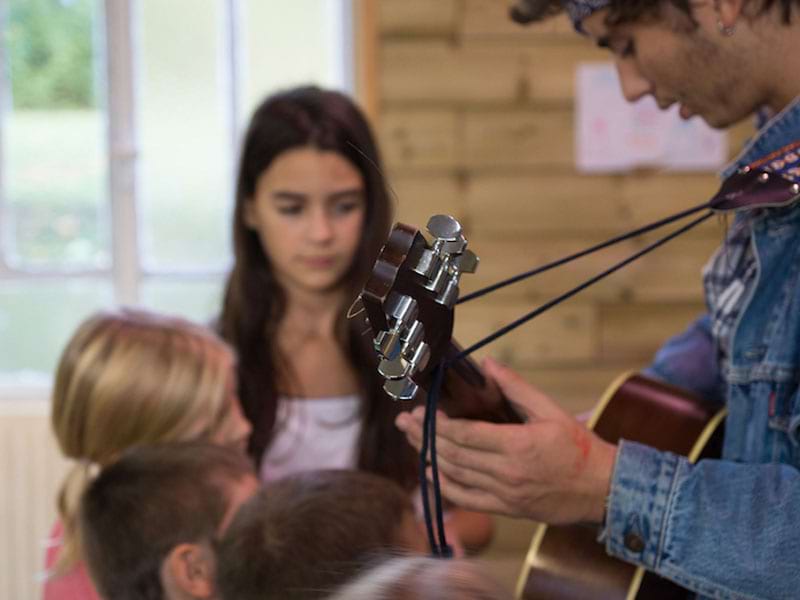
{"points": [[475, 117]]}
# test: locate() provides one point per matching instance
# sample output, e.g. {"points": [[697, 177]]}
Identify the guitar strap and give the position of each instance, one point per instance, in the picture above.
{"points": [[784, 161]]}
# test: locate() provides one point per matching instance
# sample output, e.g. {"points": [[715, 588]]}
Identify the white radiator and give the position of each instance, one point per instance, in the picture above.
{"points": [[31, 471]]}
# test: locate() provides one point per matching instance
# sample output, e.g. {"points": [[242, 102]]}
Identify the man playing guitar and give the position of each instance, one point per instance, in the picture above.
{"points": [[726, 528]]}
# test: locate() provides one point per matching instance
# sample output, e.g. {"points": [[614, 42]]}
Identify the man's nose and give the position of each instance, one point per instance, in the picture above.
{"points": [[634, 85]]}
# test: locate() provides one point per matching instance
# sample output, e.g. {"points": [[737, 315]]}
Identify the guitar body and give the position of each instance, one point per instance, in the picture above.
{"points": [[567, 562]]}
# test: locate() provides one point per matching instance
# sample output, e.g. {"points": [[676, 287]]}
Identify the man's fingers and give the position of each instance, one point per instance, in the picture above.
{"points": [[527, 399], [476, 470], [412, 427], [469, 498], [479, 435], [463, 432]]}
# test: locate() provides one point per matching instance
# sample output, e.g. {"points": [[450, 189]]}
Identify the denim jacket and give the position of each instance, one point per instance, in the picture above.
{"points": [[729, 528]]}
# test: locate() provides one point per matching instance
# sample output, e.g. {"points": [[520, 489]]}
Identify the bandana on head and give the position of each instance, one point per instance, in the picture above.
{"points": [[578, 10]]}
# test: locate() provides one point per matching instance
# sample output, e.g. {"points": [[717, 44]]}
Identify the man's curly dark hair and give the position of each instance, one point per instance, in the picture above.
{"points": [[627, 11]]}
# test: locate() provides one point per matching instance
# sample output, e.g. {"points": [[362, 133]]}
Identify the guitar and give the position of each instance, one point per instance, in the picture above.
{"points": [[410, 295], [566, 562], [409, 301]]}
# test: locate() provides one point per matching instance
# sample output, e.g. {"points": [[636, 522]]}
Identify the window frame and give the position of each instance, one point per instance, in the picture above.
{"points": [[118, 62]]}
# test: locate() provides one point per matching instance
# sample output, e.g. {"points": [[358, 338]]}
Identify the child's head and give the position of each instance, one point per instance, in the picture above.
{"points": [[304, 535], [423, 578], [131, 377], [149, 520], [314, 119]]}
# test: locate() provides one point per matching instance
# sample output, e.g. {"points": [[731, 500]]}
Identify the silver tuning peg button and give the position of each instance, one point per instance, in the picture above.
{"points": [[401, 389], [467, 262], [394, 369], [444, 227]]}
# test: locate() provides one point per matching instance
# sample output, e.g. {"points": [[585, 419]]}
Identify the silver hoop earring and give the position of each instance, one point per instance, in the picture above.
{"points": [[726, 30]]}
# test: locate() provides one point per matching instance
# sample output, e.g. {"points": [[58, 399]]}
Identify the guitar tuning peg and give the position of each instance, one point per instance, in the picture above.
{"points": [[403, 308], [456, 246], [427, 264], [449, 293], [468, 262], [401, 389], [396, 368], [444, 227], [414, 335], [388, 344], [421, 356]]}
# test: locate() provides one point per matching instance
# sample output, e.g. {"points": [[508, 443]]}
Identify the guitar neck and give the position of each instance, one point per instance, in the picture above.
{"points": [[467, 393]]}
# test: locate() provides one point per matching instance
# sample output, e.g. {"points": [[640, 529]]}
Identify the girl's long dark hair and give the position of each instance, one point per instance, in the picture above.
{"points": [[254, 302]]}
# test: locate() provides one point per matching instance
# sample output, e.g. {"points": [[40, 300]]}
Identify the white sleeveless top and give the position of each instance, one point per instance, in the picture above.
{"points": [[313, 433]]}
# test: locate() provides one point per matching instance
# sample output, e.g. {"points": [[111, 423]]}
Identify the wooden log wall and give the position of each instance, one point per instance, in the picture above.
{"points": [[475, 118]]}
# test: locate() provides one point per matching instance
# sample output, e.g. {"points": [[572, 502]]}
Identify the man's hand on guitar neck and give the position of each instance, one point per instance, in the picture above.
{"points": [[550, 469]]}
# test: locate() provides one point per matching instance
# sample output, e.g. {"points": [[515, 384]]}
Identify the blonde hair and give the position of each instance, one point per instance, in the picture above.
{"points": [[424, 578], [131, 377]]}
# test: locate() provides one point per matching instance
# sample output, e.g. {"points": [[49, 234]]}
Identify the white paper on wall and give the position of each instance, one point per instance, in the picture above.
{"points": [[614, 135]]}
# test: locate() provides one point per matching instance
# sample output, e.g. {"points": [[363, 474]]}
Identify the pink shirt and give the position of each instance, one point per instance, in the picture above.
{"points": [[73, 585]]}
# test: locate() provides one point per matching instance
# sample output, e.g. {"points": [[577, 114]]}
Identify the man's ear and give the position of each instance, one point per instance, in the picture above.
{"points": [[188, 571], [729, 11]]}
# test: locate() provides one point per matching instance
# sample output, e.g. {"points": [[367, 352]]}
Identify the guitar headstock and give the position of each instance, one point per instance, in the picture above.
{"points": [[409, 300]]}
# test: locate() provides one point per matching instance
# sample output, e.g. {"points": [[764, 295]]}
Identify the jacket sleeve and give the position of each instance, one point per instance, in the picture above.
{"points": [[689, 360], [720, 528]]}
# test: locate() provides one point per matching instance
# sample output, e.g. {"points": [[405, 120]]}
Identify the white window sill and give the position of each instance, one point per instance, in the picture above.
{"points": [[25, 398]]}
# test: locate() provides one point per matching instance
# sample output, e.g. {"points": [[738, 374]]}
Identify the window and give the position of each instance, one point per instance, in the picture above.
{"points": [[119, 131]]}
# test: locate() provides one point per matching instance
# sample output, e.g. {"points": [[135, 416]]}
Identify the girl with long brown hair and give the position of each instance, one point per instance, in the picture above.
{"points": [[312, 212]]}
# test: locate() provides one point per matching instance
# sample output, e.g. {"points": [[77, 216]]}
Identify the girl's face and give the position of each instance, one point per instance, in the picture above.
{"points": [[308, 211]]}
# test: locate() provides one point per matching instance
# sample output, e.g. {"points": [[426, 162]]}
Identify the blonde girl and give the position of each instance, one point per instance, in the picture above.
{"points": [[128, 378]]}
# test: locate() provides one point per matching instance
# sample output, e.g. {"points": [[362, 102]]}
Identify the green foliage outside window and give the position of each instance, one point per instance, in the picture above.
{"points": [[49, 45]]}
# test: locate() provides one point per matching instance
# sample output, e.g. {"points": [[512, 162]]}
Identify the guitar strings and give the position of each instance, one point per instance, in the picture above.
{"points": [[567, 259], [440, 548], [430, 408], [591, 281], [444, 548], [375, 166]]}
